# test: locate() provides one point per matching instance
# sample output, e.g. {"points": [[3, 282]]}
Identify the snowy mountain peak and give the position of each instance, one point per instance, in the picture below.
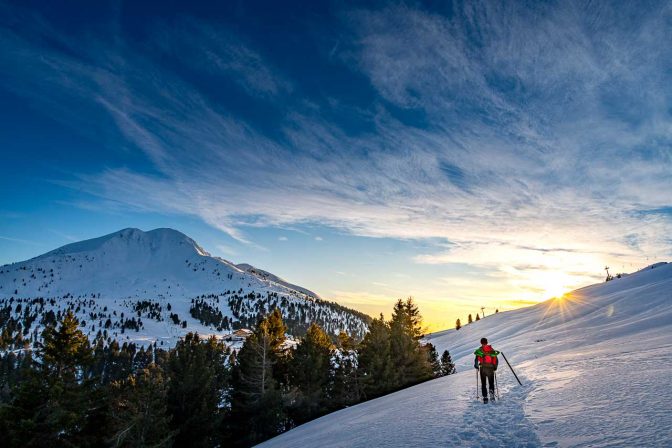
{"points": [[132, 239], [165, 281]]}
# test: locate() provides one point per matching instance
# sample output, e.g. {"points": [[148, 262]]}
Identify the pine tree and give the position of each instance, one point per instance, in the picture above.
{"points": [[5, 338], [458, 325], [470, 319], [65, 351], [9, 368], [66, 357], [20, 424], [98, 362], [447, 366], [53, 406], [276, 329], [345, 341], [433, 357], [478, 317], [345, 389], [256, 402], [138, 410], [413, 319], [117, 365], [193, 395], [310, 374], [375, 364], [410, 363], [142, 359]]}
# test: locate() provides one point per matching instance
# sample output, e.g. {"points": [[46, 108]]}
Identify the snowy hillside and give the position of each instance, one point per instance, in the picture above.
{"points": [[157, 285], [594, 364]]}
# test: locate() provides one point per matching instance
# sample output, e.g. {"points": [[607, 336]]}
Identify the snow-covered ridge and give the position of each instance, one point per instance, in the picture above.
{"points": [[594, 366], [154, 240], [158, 285], [274, 278]]}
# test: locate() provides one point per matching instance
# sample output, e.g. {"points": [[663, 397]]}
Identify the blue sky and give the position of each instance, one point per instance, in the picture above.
{"points": [[469, 154]]}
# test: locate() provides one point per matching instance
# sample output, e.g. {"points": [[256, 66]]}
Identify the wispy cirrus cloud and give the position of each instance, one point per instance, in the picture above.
{"points": [[516, 134]]}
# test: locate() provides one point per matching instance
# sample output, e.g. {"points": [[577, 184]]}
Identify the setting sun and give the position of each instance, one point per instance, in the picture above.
{"points": [[553, 283], [555, 290]]}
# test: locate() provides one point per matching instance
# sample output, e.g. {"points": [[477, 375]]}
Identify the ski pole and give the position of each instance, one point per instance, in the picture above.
{"points": [[514, 373], [477, 396], [496, 386]]}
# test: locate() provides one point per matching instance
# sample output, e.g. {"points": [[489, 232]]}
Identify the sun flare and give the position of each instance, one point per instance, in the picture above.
{"points": [[554, 284], [557, 291]]}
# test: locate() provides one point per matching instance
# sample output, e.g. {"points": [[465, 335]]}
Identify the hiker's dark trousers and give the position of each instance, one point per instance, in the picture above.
{"points": [[487, 374]]}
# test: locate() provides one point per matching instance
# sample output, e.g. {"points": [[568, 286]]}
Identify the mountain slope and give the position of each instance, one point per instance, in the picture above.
{"points": [[156, 285], [594, 367]]}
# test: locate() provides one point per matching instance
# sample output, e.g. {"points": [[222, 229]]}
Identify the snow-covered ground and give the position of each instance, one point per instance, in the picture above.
{"points": [[595, 367]]}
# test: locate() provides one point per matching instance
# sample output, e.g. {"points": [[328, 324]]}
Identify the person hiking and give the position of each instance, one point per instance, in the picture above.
{"points": [[486, 361]]}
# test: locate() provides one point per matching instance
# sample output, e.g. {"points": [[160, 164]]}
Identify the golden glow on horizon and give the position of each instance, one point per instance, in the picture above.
{"points": [[459, 297]]}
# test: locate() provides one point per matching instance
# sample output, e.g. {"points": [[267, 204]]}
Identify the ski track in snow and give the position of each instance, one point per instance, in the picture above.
{"points": [[498, 424], [439, 413]]}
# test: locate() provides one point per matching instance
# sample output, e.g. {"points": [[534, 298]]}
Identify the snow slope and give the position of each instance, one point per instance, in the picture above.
{"points": [[146, 284], [595, 368]]}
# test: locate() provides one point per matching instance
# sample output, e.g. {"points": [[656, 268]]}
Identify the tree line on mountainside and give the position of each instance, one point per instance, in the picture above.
{"points": [[69, 392], [23, 318]]}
